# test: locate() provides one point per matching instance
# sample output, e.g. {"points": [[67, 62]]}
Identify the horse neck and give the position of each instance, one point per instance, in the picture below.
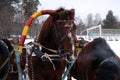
{"points": [[99, 52], [103, 51], [47, 35], [9, 45]]}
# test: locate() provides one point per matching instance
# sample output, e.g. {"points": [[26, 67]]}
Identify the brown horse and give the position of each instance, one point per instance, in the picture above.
{"points": [[96, 61], [8, 69], [57, 37]]}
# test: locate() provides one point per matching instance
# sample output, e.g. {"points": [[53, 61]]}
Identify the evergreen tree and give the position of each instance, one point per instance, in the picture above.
{"points": [[110, 22], [30, 6], [10, 15], [6, 17], [9, 3]]}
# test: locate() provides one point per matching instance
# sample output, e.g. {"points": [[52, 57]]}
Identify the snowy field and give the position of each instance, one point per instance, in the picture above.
{"points": [[115, 46]]}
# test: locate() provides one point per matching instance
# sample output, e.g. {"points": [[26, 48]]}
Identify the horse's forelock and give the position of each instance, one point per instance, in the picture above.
{"points": [[63, 14], [60, 9], [60, 13]]}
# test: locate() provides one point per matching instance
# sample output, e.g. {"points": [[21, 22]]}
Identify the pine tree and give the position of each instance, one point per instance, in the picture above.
{"points": [[6, 17], [30, 6], [10, 15], [110, 22]]}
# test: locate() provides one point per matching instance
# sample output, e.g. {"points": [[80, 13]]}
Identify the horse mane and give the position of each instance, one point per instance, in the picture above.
{"points": [[8, 43], [46, 30], [101, 49], [63, 14], [4, 54]]}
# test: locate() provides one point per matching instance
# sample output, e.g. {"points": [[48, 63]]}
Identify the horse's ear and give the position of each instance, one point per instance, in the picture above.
{"points": [[72, 12], [54, 15]]}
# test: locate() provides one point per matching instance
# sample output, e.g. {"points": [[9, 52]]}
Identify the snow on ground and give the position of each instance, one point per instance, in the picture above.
{"points": [[115, 46], [28, 40]]}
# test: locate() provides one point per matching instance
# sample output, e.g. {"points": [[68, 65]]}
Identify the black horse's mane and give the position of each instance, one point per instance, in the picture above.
{"points": [[101, 49], [8, 43], [4, 53]]}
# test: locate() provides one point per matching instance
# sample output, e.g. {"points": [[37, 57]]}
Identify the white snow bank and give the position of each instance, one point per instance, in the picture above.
{"points": [[115, 46]]}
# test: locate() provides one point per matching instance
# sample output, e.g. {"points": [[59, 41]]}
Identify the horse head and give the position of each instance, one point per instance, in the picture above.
{"points": [[58, 32]]}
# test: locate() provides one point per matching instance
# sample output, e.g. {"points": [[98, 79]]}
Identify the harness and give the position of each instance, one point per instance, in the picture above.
{"points": [[45, 57], [59, 52], [36, 50], [78, 49]]}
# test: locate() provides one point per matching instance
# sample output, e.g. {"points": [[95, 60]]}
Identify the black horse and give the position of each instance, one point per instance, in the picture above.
{"points": [[8, 69], [96, 61], [4, 54]]}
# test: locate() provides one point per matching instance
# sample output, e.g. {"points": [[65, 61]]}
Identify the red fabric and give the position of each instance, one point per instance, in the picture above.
{"points": [[21, 42], [30, 20], [46, 11]]}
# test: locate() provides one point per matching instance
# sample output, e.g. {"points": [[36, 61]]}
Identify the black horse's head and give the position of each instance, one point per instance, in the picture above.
{"points": [[101, 49]]}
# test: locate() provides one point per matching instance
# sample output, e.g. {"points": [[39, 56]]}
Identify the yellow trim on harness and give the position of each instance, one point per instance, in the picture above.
{"points": [[36, 14], [78, 47], [25, 30], [18, 49]]}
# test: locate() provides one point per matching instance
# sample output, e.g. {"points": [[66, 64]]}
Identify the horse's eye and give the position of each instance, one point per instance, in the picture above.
{"points": [[70, 26]]}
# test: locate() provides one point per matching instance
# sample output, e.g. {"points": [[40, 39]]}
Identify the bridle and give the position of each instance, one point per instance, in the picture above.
{"points": [[68, 26], [68, 33]]}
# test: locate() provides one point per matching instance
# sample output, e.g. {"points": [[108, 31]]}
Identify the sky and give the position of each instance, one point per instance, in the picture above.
{"points": [[84, 7]]}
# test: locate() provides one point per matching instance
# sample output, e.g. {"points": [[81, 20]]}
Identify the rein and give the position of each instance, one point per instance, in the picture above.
{"points": [[45, 54], [40, 45], [6, 60], [59, 52], [79, 48]]}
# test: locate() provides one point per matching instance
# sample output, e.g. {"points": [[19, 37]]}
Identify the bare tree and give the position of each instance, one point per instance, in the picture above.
{"points": [[89, 20], [80, 25], [97, 20]]}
